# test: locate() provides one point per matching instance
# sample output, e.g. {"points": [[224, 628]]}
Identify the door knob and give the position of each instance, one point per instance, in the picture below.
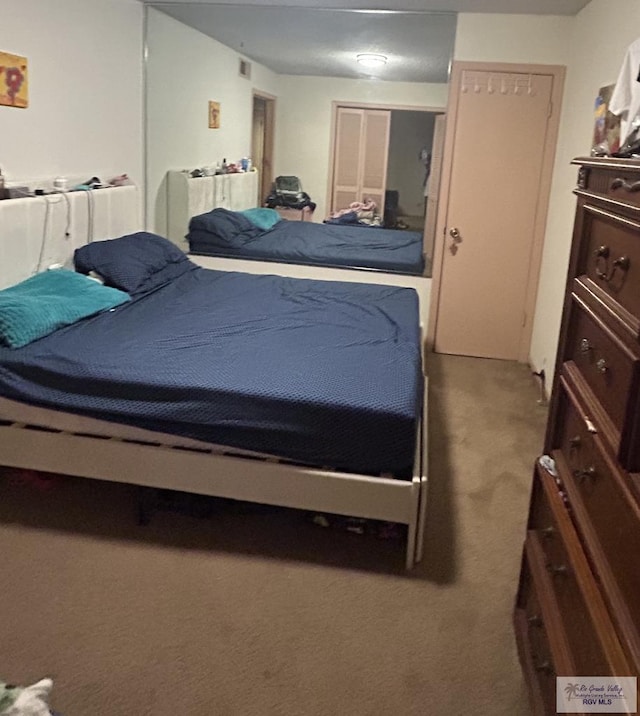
{"points": [[455, 234]]}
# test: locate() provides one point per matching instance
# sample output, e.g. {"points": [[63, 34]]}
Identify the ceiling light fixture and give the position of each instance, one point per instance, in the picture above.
{"points": [[369, 59]]}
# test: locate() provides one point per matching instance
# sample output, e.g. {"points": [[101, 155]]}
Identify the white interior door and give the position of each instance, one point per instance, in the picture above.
{"points": [[347, 157], [375, 155], [500, 130]]}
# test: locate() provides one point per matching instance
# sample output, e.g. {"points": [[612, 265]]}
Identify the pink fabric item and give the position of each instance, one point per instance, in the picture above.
{"points": [[364, 209]]}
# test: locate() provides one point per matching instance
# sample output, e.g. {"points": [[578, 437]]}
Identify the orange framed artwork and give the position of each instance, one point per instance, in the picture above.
{"points": [[14, 83], [214, 115]]}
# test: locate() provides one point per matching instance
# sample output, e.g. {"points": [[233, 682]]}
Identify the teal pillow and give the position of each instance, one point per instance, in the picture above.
{"points": [[48, 301], [264, 219]]}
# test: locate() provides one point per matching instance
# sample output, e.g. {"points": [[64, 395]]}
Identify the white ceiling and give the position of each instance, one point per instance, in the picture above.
{"points": [[528, 7], [417, 36]]}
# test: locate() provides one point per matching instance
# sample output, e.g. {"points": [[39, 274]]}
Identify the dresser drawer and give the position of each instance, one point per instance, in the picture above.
{"points": [[610, 257], [608, 366], [534, 648], [607, 516], [568, 576], [621, 184]]}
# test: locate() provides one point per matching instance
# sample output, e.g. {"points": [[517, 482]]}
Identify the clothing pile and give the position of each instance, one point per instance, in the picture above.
{"points": [[362, 213]]}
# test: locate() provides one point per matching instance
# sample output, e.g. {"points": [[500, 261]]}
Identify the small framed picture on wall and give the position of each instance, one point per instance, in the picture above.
{"points": [[14, 84], [214, 115]]}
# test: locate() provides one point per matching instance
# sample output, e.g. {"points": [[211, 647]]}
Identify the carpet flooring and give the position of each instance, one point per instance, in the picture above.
{"points": [[258, 611]]}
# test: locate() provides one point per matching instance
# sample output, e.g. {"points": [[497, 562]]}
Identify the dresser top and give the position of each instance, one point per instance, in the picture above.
{"points": [[608, 162]]}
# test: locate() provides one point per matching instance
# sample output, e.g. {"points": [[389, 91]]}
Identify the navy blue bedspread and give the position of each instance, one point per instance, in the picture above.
{"points": [[324, 373], [305, 242]]}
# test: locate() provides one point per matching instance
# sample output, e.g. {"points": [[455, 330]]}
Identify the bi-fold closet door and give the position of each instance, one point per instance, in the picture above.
{"points": [[360, 159]]}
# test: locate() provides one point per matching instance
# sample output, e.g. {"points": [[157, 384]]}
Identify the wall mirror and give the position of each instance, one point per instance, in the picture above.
{"points": [[285, 88]]}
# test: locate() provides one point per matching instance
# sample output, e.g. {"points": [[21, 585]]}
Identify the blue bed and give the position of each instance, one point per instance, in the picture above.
{"points": [[228, 234], [318, 372]]}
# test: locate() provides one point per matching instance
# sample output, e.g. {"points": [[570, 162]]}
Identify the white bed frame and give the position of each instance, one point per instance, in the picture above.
{"points": [[53, 441]]}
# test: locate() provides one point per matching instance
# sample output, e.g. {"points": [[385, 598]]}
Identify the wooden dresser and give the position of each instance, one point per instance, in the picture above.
{"points": [[578, 605]]}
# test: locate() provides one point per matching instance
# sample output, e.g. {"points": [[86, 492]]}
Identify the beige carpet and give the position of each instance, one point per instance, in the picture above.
{"points": [[254, 613]]}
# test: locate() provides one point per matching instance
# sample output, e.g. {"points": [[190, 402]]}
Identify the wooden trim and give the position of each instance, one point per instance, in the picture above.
{"points": [[574, 382], [397, 107], [443, 199], [585, 286], [558, 74], [424, 478], [613, 218], [264, 95], [514, 67], [620, 206], [544, 193], [332, 155], [269, 146], [266, 177], [607, 163]]}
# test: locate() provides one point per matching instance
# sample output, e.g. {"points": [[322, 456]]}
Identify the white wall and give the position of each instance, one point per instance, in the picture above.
{"points": [[185, 70], [410, 132], [543, 39], [85, 89], [598, 45], [303, 123]]}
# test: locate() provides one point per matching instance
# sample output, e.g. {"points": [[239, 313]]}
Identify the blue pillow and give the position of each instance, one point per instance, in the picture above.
{"points": [[224, 228], [135, 263], [48, 301], [263, 218]]}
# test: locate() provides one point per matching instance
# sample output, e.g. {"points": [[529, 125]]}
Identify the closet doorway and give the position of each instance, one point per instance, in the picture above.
{"points": [[262, 140], [391, 155], [501, 137]]}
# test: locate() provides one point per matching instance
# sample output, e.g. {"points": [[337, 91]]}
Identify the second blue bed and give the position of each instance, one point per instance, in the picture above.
{"points": [[228, 234]]}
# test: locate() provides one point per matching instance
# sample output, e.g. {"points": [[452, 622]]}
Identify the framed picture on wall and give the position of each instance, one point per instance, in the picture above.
{"points": [[14, 85], [214, 115]]}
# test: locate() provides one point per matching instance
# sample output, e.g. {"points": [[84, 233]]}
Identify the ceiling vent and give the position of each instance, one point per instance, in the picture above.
{"points": [[245, 68]]}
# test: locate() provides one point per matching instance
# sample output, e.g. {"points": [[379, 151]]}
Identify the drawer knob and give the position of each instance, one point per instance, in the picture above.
{"points": [[548, 532], [601, 366], [623, 263], [557, 569], [582, 474], [535, 620], [602, 252], [575, 442], [585, 346], [619, 182]]}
